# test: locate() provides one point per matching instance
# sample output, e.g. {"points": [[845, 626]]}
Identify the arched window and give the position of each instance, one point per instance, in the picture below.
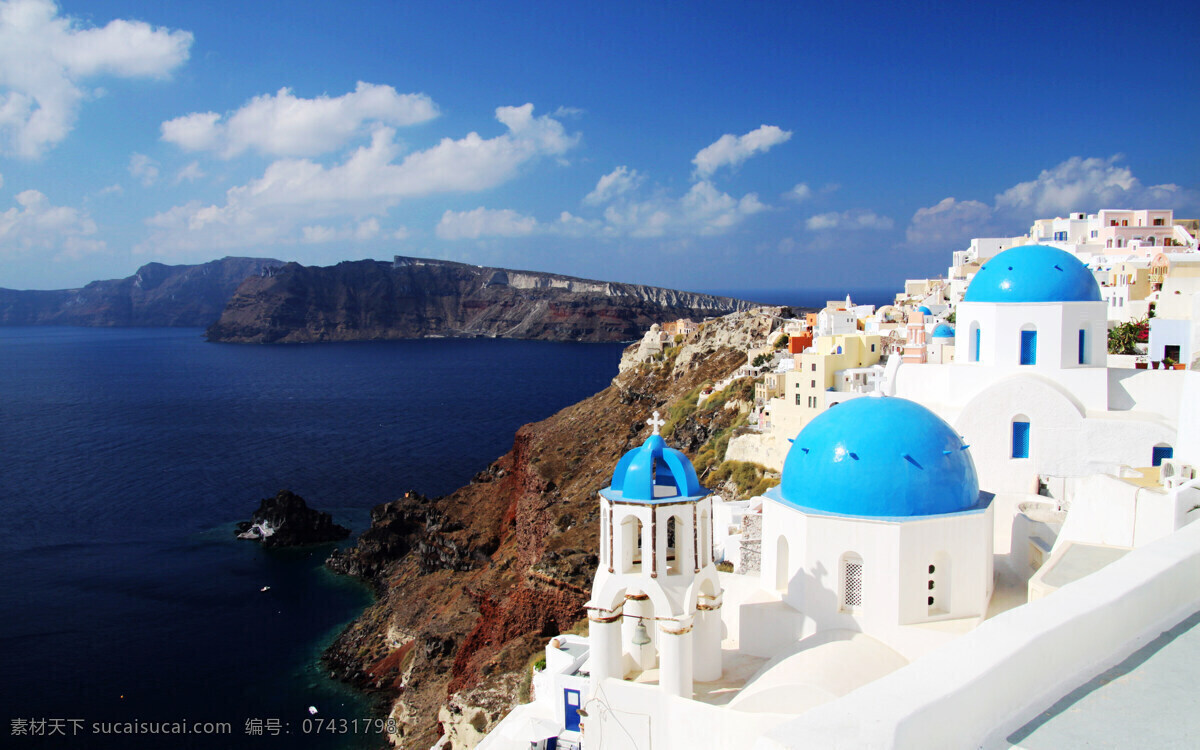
{"points": [[851, 582], [782, 573], [1159, 452], [1029, 344], [974, 341], [674, 547], [1083, 358], [631, 545], [1020, 436]]}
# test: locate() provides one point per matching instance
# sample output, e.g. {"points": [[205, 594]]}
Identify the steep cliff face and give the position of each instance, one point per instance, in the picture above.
{"points": [[157, 295], [471, 585], [414, 298]]}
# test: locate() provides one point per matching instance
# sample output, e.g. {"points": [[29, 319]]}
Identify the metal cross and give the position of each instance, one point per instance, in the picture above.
{"points": [[655, 422]]}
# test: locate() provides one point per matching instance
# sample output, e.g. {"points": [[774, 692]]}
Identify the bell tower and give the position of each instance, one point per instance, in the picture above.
{"points": [[656, 596]]}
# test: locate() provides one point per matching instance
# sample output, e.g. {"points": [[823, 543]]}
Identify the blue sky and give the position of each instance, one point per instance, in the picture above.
{"points": [[693, 145]]}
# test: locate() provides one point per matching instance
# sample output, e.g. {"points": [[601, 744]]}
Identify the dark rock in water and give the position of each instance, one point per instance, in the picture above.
{"points": [[286, 521]]}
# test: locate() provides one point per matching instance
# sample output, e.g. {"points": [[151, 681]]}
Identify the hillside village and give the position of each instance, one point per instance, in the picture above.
{"points": [[960, 507]]}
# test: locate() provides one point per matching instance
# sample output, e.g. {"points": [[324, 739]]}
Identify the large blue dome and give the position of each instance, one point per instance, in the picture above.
{"points": [[943, 331], [1033, 273], [879, 457], [653, 472]]}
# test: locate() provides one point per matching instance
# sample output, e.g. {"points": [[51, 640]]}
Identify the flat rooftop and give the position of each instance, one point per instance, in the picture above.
{"points": [[1147, 701]]}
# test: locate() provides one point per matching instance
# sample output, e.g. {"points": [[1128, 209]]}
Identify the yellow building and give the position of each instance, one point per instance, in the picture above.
{"points": [[818, 372]]}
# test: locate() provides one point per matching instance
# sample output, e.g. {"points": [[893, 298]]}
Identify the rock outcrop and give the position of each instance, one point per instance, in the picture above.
{"points": [[416, 298], [286, 521], [157, 295], [472, 585]]}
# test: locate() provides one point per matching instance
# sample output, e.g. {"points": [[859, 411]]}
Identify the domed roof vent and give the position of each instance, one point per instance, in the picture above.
{"points": [[1033, 273], [879, 457], [654, 472]]}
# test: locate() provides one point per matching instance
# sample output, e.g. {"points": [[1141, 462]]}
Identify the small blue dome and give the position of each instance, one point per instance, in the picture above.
{"points": [[925, 310], [1033, 273], [655, 473], [943, 331], [879, 457]]}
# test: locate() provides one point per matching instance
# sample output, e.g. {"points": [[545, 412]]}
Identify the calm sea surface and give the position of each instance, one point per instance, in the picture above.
{"points": [[126, 456]]}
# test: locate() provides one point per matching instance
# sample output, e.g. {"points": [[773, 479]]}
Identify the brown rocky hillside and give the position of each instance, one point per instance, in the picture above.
{"points": [[471, 585]]}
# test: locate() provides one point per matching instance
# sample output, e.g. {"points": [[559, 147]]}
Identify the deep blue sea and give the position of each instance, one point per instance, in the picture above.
{"points": [[126, 456]]}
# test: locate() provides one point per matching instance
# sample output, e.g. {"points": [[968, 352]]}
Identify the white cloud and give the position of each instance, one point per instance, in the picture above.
{"points": [[368, 229], [144, 169], [190, 173], [373, 178], [617, 182], [800, 193], [44, 58], [703, 210], [948, 222], [1077, 184], [286, 125], [114, 189], [731, 150], [854, 219], [317, 234], [484, 222], [712, 212], [34, 224]]}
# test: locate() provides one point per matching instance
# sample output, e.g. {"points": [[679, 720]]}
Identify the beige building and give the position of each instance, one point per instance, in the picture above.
{"points": [[818, 372]]}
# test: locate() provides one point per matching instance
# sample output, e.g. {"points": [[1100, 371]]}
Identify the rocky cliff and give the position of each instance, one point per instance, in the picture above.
{"points": [[415, 298], [472, 585], [157, 295]]}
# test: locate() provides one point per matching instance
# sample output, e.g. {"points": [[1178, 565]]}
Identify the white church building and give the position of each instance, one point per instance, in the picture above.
{"points": [[942, 561]]}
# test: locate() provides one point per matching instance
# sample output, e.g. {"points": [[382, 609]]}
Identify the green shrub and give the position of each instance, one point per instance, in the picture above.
{"points": [[749, 478], [682, 409]]}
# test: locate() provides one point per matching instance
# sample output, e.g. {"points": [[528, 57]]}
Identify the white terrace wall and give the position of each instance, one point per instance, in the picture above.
{"points": [[993, 680], [628, 715]]}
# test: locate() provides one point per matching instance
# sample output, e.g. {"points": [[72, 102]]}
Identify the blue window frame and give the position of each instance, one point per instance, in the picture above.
{"points": [[975, 356], [1159, 453], [1029, 347], [1020, 439], [1082, 347]]}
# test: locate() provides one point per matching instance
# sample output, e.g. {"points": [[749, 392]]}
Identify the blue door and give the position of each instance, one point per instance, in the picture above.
{"points": [[571, 698], [1029, 347], [1159, 453]]}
